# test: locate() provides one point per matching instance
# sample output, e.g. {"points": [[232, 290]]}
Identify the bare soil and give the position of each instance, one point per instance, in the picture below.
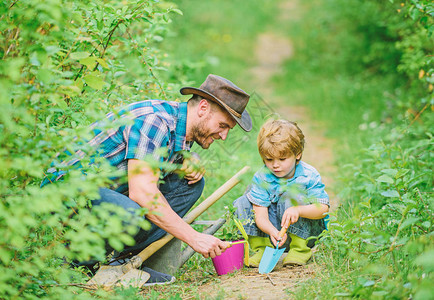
{"points": [[249, 284]]}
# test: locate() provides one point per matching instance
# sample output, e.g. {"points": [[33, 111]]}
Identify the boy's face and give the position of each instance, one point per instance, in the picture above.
{"points": [[283, 167]]}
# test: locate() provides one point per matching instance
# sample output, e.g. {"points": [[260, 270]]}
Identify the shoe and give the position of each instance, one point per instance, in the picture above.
{"points": [[299, 253], [157, 278], [118, 261], [88, 268], [258, 244]]}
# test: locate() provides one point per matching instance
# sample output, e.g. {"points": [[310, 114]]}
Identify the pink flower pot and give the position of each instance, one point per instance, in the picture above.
{"points": [[230, 260]]}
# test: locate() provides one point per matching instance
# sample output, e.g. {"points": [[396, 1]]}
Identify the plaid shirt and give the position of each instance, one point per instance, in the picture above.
{"points": [[267, 188], [152, 126]]}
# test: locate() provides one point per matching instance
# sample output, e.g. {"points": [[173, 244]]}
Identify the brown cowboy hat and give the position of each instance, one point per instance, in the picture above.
{"points": [[230, 97]]}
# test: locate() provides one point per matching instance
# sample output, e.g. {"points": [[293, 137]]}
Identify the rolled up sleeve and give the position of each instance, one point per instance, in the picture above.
{"points": [[258, 193], [316, 192]]}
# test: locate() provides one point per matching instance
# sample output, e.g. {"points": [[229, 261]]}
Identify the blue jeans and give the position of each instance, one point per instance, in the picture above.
{"points": [[303, 228], [180, 196]]}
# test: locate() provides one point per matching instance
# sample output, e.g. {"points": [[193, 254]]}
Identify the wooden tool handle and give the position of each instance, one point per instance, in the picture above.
{"points": [[282, 232], [190, 217], [226, 187], [280, 235]]}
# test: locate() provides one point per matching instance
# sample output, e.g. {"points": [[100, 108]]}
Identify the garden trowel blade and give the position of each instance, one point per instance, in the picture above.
{"points": [[269, 259]]}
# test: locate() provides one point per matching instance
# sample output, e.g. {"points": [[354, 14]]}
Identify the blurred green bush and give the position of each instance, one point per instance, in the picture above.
{"points": [[65, 64], [372, 66]]}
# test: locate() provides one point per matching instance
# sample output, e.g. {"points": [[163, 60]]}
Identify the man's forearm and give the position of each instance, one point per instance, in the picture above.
{"points": [[161, 214], [164, 217]]}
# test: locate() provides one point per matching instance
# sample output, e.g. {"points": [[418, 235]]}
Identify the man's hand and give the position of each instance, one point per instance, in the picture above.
{"points": [[290, 216], [208, 245], [192, 168]]}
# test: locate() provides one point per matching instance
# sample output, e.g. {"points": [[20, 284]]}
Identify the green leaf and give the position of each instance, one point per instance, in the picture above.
{"points": [[102, 62], [45, 76], [380, 293], [57, 99], [385, 178], [390, 194], [409, 222], [342, 294], [402, 172], [52, 49], [79, 55], [390, 172], [119, 74], [426, 224], [115, 243], [178, 11], [5, 256], [369, 283], [366, 204], [70, 90], [426, 260], [94, 81], [13, 68], [88, 61]]}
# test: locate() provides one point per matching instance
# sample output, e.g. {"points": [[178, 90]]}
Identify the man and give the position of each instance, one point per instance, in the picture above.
{"points": [[215, 108]]}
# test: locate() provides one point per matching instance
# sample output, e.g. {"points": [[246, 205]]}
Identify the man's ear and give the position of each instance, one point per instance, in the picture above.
{"points": [[203, 107]]}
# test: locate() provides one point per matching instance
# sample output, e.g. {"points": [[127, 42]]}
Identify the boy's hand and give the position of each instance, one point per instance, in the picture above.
{"points": [[274, 235], [290, 216]]}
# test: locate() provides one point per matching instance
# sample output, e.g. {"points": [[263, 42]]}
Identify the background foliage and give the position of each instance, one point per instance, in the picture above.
{"points": [[372, 67], [64, 64]]}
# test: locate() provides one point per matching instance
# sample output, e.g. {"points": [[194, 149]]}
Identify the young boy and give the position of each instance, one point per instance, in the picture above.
{"points": [[285, 192]]}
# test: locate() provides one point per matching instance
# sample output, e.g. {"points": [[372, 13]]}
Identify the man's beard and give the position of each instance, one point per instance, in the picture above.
{"points": [[201, 133]]}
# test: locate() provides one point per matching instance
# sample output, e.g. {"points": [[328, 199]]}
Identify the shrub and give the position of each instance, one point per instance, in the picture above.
{"points": [[64, 64]]}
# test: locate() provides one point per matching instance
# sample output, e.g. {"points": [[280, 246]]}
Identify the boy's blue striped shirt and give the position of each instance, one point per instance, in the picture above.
{"points": [[266, 188]]}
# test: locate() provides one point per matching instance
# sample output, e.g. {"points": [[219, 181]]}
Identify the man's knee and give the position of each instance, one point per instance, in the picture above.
{"points": [[197, 188], [192, 192], [113, 197]]}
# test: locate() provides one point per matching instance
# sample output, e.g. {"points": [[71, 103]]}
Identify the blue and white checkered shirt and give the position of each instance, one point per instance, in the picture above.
{"points": [[152, 126], [267, 188]]}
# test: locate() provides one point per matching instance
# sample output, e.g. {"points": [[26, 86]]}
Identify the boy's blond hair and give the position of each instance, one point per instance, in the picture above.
{"points": [[280, 139]]}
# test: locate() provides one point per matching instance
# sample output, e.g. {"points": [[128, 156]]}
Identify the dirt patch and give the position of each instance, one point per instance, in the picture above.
{"points": [[288, 10], [249, 284], [270, 51]]}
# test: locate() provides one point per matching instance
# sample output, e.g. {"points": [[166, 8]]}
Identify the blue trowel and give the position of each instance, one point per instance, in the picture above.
{"points": [[271, 256]]}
